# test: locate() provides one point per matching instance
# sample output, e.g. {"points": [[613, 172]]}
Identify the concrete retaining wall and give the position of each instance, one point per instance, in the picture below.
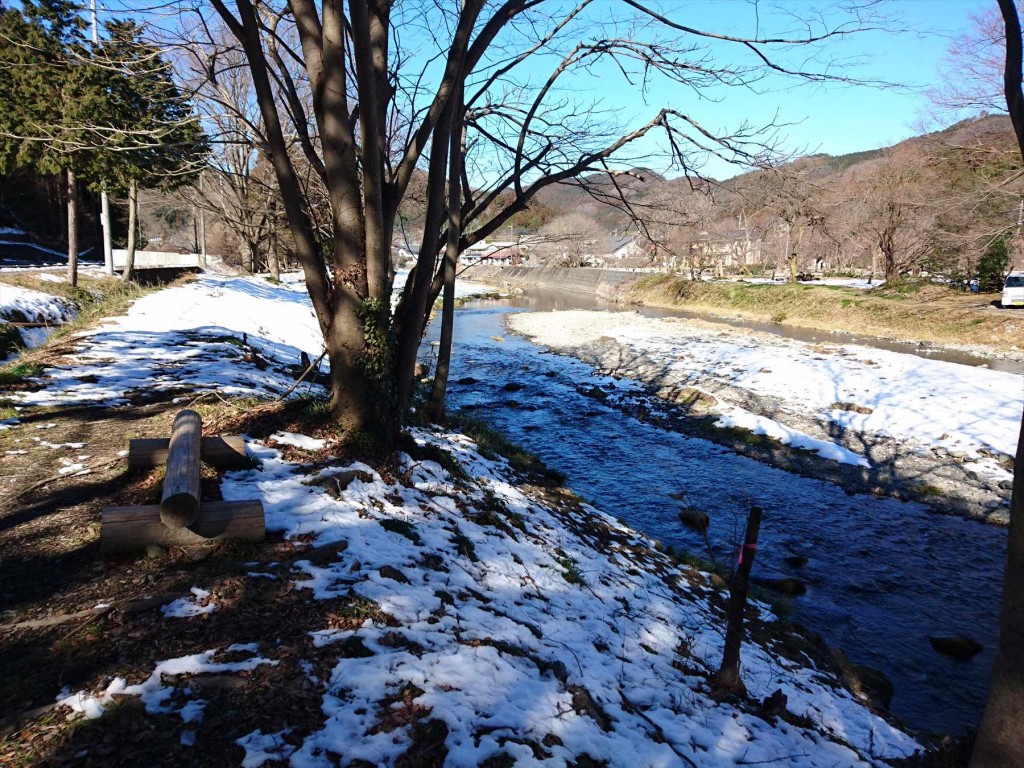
{"points": [[607, 284]]}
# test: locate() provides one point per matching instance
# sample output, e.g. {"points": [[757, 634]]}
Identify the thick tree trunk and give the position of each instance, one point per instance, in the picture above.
{"points": [[133, 218], [72, 195], [252, 256], [1000, 742], [1000, 739], [274, 261], [435, 409], [356, 399]]}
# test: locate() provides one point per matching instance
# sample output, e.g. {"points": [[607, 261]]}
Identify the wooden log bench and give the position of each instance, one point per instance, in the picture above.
{"points": [[181, 518]]}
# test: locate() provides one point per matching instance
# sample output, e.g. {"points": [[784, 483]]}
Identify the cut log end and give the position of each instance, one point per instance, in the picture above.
{"points": [[179, 510]]}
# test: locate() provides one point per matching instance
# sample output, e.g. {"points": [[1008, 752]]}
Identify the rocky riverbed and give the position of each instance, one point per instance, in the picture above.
{"points": [[871, 420]]}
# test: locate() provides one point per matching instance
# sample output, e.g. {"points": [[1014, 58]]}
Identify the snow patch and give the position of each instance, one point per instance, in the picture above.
{"points": [[187, 607], [298, 441]]}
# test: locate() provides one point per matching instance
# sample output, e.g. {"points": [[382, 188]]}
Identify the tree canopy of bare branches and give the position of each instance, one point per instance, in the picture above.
{"points": [[355, 99]]}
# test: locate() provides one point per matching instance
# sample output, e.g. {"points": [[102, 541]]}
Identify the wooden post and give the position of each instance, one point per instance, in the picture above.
{"points": [[130, 529], [179, 505], [728, 677]]}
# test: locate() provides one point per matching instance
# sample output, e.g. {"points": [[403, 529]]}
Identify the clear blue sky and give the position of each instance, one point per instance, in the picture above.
{"points": [[832, 118]]}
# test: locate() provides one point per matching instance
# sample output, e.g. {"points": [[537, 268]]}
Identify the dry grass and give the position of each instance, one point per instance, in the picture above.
{"points": [[919, 312]]}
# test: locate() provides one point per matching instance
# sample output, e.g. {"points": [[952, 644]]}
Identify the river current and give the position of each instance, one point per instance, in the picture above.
{"points": [[882, 575]]}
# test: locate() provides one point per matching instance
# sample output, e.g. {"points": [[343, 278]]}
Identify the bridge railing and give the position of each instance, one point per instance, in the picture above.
{"points": [[156, 259]]}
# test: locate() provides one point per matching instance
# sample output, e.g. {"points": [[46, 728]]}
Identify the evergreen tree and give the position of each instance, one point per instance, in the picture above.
{"points": [[142, 129], [41, 58], [993, 264]]}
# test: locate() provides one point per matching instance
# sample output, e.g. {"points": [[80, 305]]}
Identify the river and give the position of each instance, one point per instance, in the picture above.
{"points": [[882, 575]]}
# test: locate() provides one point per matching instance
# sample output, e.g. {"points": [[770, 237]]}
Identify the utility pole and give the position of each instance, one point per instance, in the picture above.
{"points": [[108, 252], [202, 228]]}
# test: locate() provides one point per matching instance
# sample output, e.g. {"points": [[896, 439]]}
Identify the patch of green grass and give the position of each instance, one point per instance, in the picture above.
{"points": [[359, 607], [225, 339], [431, 452], [493, 444], [778, 317], [19, 373], [572, 573], [402, 528], [313, 408], [10, 340], [464, 546], [926, 489], [7, 410]]}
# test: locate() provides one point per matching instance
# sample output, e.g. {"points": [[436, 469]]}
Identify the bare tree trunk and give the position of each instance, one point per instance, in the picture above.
{"points": [[728, 677], [1000, 739], [133, 222], [435, 409], [251, 256], [1000, 742], [794, 254], [411, 313], [72, 195], [273, 260]]}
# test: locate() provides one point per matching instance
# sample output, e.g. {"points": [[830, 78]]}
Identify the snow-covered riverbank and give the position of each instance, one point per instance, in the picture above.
{"points": [[39, 309], [944, 426], [463, 610]]}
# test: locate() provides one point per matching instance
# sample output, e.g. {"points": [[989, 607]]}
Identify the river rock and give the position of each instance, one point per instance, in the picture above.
{"points": [[465, 380], [390, 572], [595, 392], [695, 519], [513, 386], [790, 587], [957, 646], [795, 561], [866, 683]]}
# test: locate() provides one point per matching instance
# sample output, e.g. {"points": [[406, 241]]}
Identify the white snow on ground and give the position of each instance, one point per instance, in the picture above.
{"points": [[524, 625], [36, 306], [499, 641], [298, 441], [187, 607], [19, 304], [761, 425], [186, 338], [860, 283], [160, 698], [262, 747], [911, 398]]}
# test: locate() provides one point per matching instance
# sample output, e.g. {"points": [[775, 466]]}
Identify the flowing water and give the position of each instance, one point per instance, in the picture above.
{"points": [[882, 575]]}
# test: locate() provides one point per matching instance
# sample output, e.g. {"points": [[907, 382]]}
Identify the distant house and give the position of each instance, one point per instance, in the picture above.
{"points": [[628, 247], [498, 253], [731, 248]]}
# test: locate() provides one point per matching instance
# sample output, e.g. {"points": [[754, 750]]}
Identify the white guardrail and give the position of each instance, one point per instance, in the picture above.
{"points": [[156, 259]]}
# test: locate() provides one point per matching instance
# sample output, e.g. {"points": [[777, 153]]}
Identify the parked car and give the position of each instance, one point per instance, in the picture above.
{"points": [[1013, 290]]}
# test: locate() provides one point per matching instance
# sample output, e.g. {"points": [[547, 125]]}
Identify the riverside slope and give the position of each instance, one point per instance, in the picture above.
{"points": [[465, 616]]}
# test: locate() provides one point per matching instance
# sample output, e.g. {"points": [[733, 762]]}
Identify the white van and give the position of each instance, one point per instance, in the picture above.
{"points": [[1013, 290]]}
